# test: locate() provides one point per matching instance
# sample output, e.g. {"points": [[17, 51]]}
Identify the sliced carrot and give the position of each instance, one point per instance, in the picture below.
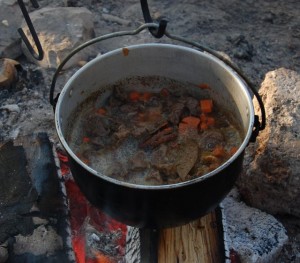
{"points": [[134, 96], [203, 117], [203, 126], [101, 111], [146, 96], [204, 86], [125, 51], [210, 121], [191, 121], [219, 151], [206, 105], [86, 139]]}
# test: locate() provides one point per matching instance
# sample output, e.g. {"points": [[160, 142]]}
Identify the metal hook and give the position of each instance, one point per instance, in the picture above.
{"points": [[156, 32], [40, 54]]}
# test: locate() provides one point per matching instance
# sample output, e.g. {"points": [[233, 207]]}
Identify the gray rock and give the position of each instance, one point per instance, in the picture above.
{"points": [[10, 21], [60, 30], [44, 240], [11, 108], [255, 236], [271, 177]]}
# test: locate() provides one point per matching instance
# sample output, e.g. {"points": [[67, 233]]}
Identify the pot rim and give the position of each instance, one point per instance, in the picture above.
{"points": [[230, 70]]}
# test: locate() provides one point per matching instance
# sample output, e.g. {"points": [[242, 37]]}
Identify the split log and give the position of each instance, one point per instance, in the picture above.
{"points": [[199, 241]]}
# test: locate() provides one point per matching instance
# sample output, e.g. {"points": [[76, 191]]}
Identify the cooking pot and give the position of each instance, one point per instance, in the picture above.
{"points": [[160, 206]]}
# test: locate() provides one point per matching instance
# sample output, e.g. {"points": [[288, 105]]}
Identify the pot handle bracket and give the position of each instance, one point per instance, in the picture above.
{"points": [[158, 30]]}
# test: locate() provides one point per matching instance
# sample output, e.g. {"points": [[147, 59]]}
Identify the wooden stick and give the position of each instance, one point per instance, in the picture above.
{"points": [[199, 241]]}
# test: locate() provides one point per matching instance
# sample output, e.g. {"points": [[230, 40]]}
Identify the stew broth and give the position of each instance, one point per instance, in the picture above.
{"points": [[153, 131]]}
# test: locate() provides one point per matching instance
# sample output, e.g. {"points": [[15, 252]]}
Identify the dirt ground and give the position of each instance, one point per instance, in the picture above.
{"points": [[258, 36]]}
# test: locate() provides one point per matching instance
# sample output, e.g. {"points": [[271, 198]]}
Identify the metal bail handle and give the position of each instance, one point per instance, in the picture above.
{"points": [[258, 125]]}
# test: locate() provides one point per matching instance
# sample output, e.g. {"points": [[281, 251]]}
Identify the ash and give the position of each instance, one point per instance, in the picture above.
{"points": [[106, 242]]}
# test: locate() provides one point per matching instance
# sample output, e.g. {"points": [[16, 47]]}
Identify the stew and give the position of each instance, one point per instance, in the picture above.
{"points": [[153, 131]]}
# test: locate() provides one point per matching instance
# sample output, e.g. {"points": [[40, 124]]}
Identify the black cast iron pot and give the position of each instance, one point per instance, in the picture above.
{"points": [[166, 205]]}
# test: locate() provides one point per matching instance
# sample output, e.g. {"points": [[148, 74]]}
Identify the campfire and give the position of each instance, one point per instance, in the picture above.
{"points": [[44, 213], [95, 236], [48, 218]]}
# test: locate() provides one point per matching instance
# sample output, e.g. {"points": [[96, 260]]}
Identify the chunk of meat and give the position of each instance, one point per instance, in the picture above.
{"points": [[154, 177], [96, 125], [138, 161], [193, 106], [176, 112], [163, 136], [210, 139], [163, 161], [122, 132]]}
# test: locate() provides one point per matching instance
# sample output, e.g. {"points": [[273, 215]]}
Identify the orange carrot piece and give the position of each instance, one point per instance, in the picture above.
{"points": [[146, 96], [101, 111], [210, 121], [203, 126], [219, 151], [204, 86], [134, 96], [125, 51], [206, 106], [191, 121], [203, 117]]}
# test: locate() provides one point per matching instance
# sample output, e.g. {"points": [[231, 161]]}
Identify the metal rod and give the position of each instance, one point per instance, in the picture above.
{"points": [[40, 53], [162, 23]]}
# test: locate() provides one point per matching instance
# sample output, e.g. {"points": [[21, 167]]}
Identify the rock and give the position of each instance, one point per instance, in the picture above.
{"points": [[270, 180], [10, 21], [44, 240], [242, 48], [3, 253], [60, 30], [256, 237], [8, 72], [11, 108], [116, 19]]}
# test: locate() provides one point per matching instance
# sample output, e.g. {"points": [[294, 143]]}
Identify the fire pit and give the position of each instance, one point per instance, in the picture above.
{"points": [[163, 206]]}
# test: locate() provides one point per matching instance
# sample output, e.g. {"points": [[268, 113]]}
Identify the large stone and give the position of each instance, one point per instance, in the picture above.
{"points": [[255, 236], [271, 177], [60, 30], [10, 20]]}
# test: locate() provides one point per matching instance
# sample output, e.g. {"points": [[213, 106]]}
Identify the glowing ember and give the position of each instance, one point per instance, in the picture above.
{"points": [[95, 236]]}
